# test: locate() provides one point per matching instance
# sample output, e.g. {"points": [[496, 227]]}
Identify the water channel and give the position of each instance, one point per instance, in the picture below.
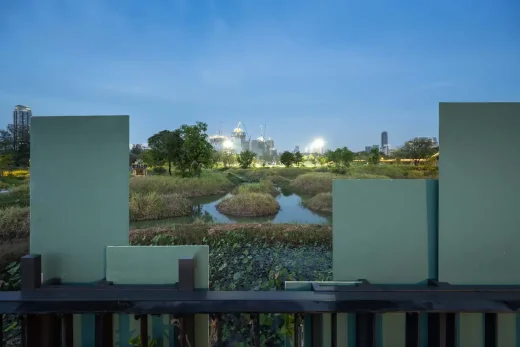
{"points": [[291, 211]]}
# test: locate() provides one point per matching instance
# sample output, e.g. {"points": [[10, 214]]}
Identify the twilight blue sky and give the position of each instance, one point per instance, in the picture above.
{"points": [[342, 70]]}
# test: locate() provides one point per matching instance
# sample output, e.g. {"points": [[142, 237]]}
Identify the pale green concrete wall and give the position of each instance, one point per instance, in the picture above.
{"points": [[385, 231], [156, 265], [79, 193], [479, 215]]}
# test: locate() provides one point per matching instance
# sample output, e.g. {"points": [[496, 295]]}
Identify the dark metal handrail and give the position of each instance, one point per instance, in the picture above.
{"points": [[51, 304]]}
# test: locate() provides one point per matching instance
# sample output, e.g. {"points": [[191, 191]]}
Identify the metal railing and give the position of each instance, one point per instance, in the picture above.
{"points": [[46, 309]]}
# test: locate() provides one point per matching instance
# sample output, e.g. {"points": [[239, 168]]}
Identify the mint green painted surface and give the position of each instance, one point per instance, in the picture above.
{"points": [[382, 230], [479, 215], [385, 231], [478, 202], [79, 193], [157, 265]]}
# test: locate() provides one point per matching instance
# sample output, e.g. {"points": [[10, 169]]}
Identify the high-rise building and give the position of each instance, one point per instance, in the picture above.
{"points": [[384, 139], [21, 118], [296, 149]]}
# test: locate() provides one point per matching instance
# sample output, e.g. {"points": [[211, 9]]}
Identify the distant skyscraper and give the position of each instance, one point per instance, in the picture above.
{"points": [[296, 149], [384, 139], [21, 117]]}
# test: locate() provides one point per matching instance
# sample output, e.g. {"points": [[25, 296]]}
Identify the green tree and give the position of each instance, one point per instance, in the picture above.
{"points": [[6, 141], [298, 158], [229, 159], [166, 145], [313, 160], [342, 157], [245, 159], [6, 162], [137, 149], [195, 151], [419, 148], [287, 158], [151, 157], [374, 156]]}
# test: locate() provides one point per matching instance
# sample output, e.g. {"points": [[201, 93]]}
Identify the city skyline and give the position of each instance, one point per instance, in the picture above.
{"points": [[341, 72]]}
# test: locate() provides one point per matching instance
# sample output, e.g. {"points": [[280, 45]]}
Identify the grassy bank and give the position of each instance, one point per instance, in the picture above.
{"points": [[249, 205], [17, 195], [314, 183], [264, 186], [321, 202], [149, 206], [359, 171], [209, 183]]}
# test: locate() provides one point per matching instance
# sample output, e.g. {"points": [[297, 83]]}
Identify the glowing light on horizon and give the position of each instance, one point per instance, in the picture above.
{"points": [[318, 145], [227, 144]]}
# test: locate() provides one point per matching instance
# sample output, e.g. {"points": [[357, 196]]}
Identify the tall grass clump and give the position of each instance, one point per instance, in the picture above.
{"points": [[321, 202], [249, 205], [14, 223], [264, 186], [314, 183], [278, 179], [209, 183], [149, 206], [16, 196]]}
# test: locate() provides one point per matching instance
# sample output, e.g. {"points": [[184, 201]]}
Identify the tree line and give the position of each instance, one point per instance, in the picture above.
{"points": [[11, 154], [187, 151]]}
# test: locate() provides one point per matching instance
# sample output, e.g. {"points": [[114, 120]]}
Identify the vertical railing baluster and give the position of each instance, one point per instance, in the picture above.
{"points": [[434, 329], [316, 329], [297, 339], [51, 330], [143, 330], [31, 279], [187, 283], [365, 330], [219, 330], [68, 330], [334, 329], [2, 342], [2, 330], [441, 330], [256, 329], [412, 330], [490, 330], [104, 330], [451, 334]]}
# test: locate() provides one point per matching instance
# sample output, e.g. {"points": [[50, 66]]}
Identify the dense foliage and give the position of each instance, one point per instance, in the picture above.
{"points": [[287, 158], [187, 148], [245, 159]]}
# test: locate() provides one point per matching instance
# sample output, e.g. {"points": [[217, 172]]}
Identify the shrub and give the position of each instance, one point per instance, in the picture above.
{"points": [[16, 196], [159, 170], [314, 183], [321, 202], [148, 206], [3, 186], [14, 223], [278, 179], [264, 186], [209, 183], [249, 205]]}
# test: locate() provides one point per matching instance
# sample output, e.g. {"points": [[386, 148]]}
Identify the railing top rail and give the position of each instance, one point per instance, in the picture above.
{"points": [[161, 299]]}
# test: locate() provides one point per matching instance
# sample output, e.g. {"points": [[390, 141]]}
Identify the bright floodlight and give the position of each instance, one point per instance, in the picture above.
{"points": [[227, 144], [318, 143]]}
